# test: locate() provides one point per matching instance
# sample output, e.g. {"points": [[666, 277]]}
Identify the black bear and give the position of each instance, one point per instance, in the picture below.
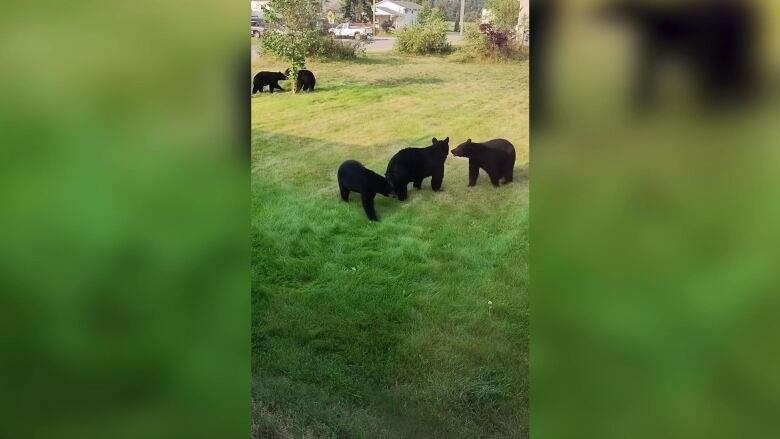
{"points": [[305, 82], [496, 157], [416, 164], [355, 177], [271, 79]]}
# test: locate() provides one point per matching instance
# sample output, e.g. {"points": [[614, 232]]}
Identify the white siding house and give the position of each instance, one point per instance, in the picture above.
{"points": [[399, 12], [257, 7]]}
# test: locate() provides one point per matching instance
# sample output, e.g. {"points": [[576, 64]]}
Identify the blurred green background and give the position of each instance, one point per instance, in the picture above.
{"points": [[655, 247], [124, 282]]}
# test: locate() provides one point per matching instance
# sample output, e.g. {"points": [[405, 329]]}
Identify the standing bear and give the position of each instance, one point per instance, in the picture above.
{"points": [[305, 82], [355, 177], [496, 157], [416, 164], [270, 79]]}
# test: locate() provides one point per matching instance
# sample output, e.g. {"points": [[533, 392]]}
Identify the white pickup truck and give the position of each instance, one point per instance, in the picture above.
{"points": [[352, 30]]}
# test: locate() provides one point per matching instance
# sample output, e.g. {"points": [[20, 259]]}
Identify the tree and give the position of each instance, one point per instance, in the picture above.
{"points": [[294, 34], [357, 10], [429, 13]]}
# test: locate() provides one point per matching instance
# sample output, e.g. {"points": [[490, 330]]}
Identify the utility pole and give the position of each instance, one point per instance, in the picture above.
{"points": [[520, 30], [373, 18], [462, 9]]}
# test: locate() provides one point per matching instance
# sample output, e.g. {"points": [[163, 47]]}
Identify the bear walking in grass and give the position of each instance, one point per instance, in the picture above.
{"points": [[354, 177], [305, 82], [416, 164], [270, 79], [496, 157]]}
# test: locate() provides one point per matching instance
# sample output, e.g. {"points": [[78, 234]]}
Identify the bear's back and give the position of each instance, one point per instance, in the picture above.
{"points": [[500, 146]]}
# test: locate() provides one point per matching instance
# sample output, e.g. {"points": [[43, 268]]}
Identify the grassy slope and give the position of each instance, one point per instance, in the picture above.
{"points": [[382, 329]]}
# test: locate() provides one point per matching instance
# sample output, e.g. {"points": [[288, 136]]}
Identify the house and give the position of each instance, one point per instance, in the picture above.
{"points": [[257, 7], [398, 12]]}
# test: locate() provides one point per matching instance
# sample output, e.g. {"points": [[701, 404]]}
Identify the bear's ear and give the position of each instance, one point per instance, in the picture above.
{"points": [[434, 140], [468, 140], [447, 140]]}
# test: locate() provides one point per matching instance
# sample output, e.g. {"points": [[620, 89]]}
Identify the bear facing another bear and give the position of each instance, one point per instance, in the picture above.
{"points": [[496, 157], [413, 165], [305, 82]]}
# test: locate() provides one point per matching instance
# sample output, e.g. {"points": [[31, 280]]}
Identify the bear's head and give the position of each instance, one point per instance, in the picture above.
{"points": [[465, 149], [386, 188], [442, 147]]}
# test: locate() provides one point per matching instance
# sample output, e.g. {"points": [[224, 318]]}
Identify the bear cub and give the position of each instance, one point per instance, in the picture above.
{"points": [[305, 82], [416, 164], [270, 79], [355, 177], [496, 157]]}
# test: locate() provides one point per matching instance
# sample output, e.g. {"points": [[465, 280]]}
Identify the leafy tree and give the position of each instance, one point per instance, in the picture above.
{"points": [[451, 8], [357, 10], [430, 13], [294, 34]]}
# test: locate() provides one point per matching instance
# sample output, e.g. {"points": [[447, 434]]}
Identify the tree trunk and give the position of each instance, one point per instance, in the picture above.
{"points": [[462, 10]]}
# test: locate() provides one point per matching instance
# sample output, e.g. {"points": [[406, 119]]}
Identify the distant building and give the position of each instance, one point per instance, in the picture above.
{"points": [[398, 12], [257, 7]]}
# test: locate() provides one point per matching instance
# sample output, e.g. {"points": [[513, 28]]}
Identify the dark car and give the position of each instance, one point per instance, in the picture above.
{"points": [[257, 27]]}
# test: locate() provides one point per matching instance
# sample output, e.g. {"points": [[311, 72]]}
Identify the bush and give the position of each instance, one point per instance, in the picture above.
{"points": [[330, 48], [488, 43], [424, 39]]}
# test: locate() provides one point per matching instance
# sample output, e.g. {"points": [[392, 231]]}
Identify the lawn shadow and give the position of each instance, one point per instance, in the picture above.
{"points": [[380, 60], [380, 84], [409, 80]]}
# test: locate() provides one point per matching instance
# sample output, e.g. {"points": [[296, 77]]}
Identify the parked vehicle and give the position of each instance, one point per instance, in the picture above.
{"points": [[352, 30], [257, 27]]}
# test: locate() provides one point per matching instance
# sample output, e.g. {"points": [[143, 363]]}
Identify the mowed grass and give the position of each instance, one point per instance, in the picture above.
{"points": [[383, 330]]}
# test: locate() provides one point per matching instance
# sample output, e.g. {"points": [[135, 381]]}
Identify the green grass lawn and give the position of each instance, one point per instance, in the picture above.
{"points": [[382, 330]]}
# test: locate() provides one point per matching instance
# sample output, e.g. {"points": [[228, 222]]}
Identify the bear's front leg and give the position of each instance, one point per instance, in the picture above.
{"points": [[473, 174], [401, 192], [437, 179], [368, 205]]}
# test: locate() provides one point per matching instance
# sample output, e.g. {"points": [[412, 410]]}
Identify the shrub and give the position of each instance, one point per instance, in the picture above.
{"points": [[488, 43], [331, 48], [421, 39], [505, 12]]}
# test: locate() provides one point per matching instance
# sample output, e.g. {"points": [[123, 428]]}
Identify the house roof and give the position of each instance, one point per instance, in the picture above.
{"points": [[383, 11], [405, 4]]}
